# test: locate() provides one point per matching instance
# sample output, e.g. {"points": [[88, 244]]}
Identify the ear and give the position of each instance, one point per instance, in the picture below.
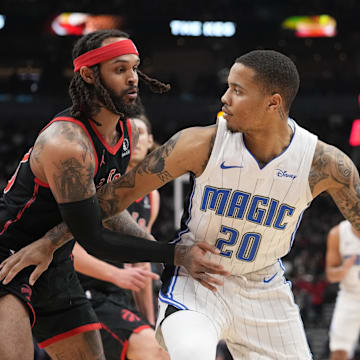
{"points": [[275, 101], [87, 74]]}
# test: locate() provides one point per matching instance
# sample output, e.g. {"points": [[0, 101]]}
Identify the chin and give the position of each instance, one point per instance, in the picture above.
{"points": [[231, 129]]}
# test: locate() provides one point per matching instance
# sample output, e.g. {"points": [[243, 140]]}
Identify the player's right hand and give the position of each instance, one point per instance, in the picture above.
{"points": [[133, 278], [38, 253], [194, 259]]}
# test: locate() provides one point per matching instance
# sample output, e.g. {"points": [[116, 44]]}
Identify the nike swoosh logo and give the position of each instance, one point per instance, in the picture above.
{"points": [[268, 280], [223, 166]]}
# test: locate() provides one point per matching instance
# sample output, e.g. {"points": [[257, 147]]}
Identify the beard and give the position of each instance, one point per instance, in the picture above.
{"points": [[129, 110], [125, 110]]}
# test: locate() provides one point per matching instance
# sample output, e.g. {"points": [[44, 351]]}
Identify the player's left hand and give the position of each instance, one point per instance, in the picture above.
{"points": [[198, 266], [38, 253]]}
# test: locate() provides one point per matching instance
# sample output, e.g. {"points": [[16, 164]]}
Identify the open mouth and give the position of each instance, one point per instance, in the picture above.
{"points": [[132, 93]]}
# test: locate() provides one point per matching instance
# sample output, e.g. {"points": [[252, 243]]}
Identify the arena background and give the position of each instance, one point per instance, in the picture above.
{"points": [[194, 55]]}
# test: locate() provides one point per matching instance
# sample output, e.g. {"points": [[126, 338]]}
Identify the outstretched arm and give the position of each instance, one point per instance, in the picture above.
{"points": [[128, 278]]}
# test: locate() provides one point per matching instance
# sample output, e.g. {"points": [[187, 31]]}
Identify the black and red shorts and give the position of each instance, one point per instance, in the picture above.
{"points": [[119, 322], [58, 307]]}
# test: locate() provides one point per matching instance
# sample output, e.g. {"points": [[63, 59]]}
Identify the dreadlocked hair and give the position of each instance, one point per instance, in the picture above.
{"points": [[82, 94], [155, 86]]}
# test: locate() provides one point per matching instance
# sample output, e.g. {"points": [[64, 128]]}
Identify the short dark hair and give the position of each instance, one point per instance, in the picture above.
{"points": [[82, 94], [276, 72]]}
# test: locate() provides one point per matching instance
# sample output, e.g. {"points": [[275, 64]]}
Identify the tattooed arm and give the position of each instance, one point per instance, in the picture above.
{"points": [[186, 151], [334, 172], [64, 158]]}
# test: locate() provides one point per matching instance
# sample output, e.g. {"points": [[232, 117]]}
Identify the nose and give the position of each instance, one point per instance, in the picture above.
{"points": [[133, 78], [224, 98]]}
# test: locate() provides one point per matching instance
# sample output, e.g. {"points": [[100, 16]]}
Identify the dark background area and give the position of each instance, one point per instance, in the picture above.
{"points": [[36, 67]]}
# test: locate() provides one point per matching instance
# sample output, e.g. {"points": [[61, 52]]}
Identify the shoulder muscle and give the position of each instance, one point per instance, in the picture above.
{"points": [[66, 157]]}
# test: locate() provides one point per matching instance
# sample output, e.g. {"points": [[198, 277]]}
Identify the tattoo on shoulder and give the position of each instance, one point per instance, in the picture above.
{"points": [[73, 133], [38, 148], [332, 164], [74, 181], [320, 164], [343, 180]]}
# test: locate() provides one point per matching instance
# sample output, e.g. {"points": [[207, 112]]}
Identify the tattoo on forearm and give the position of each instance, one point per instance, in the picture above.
{"points": [[164, 176], [59, 235], [154, 163], [124, 223], [181, 254]]}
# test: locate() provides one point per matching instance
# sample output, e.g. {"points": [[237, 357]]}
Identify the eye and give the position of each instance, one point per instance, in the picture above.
{"points": [[135, 68], [120, 70]]}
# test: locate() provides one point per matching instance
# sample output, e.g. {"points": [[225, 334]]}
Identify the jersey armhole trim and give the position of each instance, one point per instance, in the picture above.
{"points": [[41, 183]]}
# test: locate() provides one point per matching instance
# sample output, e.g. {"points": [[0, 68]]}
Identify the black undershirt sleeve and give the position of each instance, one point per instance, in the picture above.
{"points": [[85, 222]]}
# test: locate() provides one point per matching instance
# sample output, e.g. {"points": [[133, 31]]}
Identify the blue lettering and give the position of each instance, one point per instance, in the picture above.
{"points": [[283, 211], [237, 208], [217, 198], [271, 212], [220, 243], [249, 247], [255, 213]]}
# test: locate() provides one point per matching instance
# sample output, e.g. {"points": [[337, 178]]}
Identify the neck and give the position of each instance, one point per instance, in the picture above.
{"points": [[108, 128], [268, 142]]}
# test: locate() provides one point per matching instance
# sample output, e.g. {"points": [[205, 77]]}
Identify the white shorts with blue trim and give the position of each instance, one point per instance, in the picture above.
{"points": [[345, 323], [255, 313]]}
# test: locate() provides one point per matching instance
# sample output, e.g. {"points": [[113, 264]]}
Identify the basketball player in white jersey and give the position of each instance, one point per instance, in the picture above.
{"points": [[253, 174], [343, 265]]}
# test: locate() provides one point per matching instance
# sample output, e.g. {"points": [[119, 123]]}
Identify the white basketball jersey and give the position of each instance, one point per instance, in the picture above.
{"points": [[250, 214], [349, 244]]}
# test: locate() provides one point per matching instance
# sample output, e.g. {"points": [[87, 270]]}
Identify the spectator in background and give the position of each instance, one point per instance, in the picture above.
{"points": [[343, 265]]}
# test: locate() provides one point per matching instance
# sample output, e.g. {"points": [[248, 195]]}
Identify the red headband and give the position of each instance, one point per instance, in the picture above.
{"points": [[104, 53]]}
